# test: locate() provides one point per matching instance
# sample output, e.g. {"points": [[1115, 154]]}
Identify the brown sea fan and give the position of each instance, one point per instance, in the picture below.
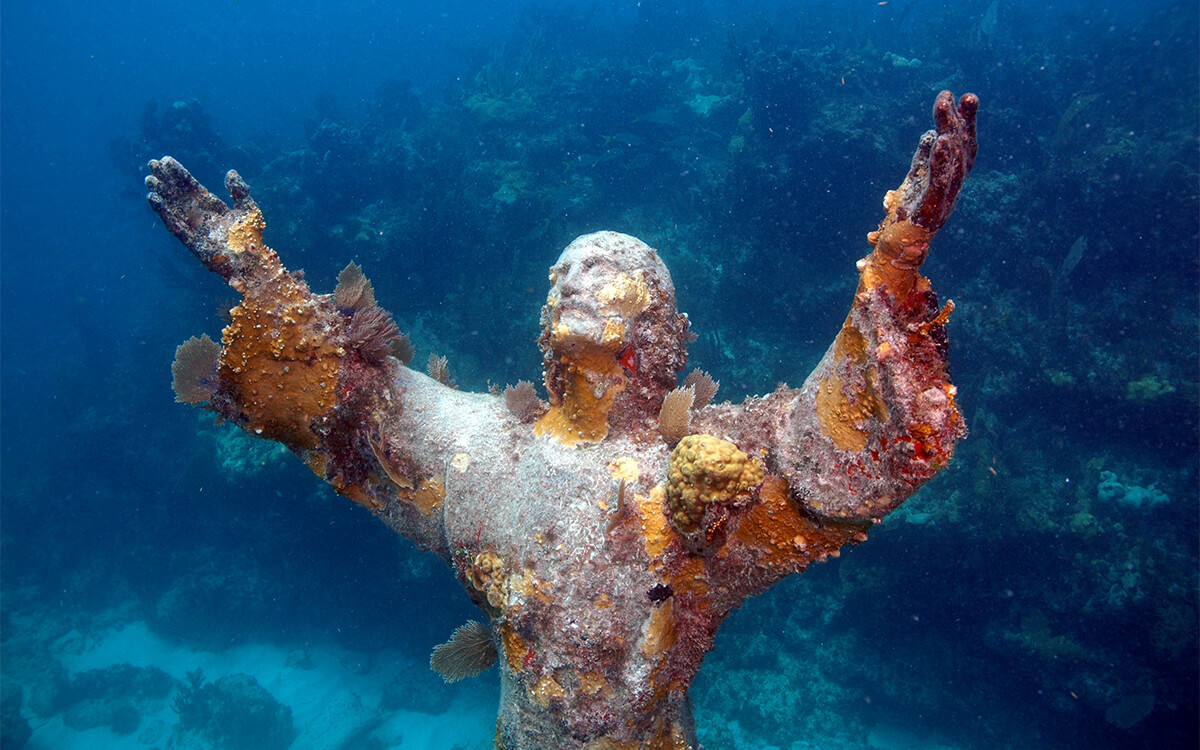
{"points": [[470, 651], [703, 386], [674, 418], [371, 333], [354, 291], [194, 370], [439, 369], [402, 349]]}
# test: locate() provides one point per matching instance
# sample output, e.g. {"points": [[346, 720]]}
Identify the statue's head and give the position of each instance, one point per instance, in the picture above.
{"points": [[611, 337]]}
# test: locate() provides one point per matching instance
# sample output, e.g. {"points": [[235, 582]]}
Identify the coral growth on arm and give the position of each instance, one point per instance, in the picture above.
{"points": [[604, 546], [310, 371]]}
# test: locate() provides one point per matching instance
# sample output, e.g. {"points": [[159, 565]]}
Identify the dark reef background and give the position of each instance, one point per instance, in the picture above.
{"points": [[1042, 592]]}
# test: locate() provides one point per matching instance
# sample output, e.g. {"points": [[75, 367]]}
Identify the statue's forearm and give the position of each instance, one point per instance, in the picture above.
{"points": [[877, 417]]}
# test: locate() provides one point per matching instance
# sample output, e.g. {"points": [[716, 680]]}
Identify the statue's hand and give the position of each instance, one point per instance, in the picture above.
{"points": [[198, 218], [942, 161], [183, 204], [920, 206]]}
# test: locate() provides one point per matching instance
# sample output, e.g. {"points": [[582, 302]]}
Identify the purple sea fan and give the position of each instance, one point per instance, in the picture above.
{"points": [[194, 370], [523, 402], [371, 333]]}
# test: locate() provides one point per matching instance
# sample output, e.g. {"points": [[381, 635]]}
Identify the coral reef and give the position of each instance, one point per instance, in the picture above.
{"points": [[232, 712], [605, 561], [706, 477], [1110, 490]]}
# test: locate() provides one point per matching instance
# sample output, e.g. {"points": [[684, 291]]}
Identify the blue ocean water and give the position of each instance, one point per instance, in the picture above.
{"points": [[1041, 592]]}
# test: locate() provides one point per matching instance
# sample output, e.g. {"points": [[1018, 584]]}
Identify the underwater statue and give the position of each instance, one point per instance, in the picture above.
{"points": [[605, 534]]}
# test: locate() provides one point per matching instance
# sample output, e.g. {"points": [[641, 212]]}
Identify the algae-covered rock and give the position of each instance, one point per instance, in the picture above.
{"points": [[234, 713], [1111, 489], [501, 109], [1147, 388], [114, 697]]}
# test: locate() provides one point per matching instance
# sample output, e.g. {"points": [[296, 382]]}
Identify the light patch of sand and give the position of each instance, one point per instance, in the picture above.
{"points": [[331, 702]]}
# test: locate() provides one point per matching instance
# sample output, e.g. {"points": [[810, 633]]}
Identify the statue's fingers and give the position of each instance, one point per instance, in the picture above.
{"points": [[183, 204], [945, 114], [968, 106]]}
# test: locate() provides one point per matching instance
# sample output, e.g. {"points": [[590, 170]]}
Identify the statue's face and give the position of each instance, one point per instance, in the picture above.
{"points": [[601, 283]]}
